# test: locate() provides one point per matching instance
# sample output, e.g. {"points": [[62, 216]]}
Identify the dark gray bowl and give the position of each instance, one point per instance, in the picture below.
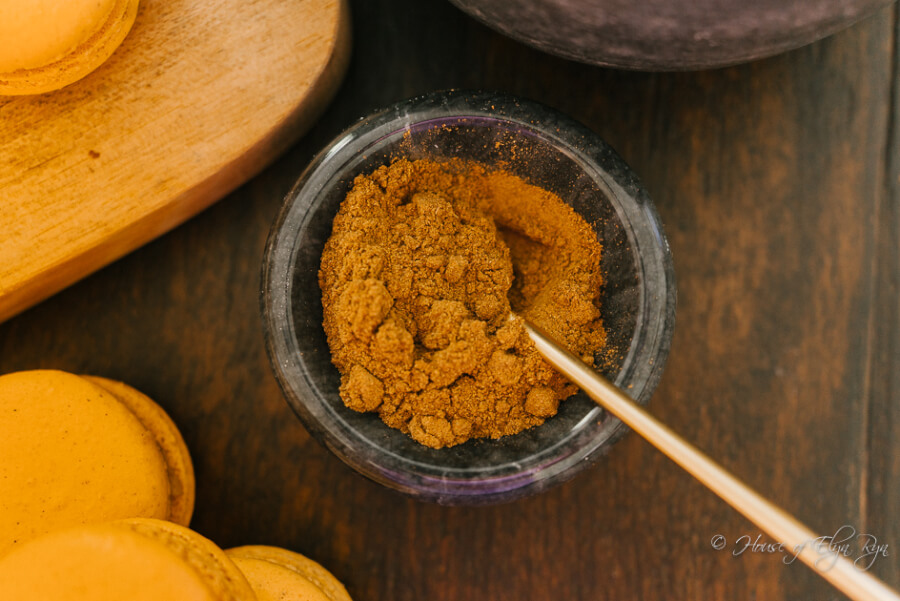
{"points": [[664, 35], [548, 149]]}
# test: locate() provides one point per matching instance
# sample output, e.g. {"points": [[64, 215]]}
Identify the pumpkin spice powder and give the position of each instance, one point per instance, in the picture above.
{"points": [[424, 265]]}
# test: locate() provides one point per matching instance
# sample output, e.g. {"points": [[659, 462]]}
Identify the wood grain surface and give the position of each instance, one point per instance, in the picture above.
{"points": [[778, 185], [198, 98]]}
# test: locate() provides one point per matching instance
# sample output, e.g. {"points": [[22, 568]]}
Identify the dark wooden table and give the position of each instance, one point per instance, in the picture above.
{"points": [[778, 185]]}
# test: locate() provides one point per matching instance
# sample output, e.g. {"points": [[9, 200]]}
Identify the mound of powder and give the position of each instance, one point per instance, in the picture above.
{"points": [[424, 265]]}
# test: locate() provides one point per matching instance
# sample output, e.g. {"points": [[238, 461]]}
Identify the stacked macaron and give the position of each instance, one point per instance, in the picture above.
{"points": [[136, 559], [281, 575], [82, 450], [96, 491]]}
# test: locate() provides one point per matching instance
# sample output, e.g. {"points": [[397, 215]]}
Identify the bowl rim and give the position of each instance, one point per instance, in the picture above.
{"points": [[280, 255]]}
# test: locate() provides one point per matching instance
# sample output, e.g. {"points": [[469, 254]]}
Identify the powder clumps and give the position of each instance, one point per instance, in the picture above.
{"points": [[425, 262]]}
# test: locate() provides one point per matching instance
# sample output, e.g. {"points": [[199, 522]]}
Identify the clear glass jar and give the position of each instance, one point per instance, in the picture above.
{"points": [[545, 148]]}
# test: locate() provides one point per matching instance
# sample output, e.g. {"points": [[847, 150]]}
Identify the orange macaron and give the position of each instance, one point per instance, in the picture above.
{"points": [[48, 44], [79, 450], [136, 559], [280, 575]]}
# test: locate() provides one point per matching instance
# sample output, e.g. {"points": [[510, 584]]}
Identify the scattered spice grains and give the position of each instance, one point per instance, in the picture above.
{"points": [[424, 264]]}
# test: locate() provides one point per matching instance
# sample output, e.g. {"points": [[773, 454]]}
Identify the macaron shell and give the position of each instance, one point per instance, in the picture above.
{"points": [[274, 582], [39, 32], [72, 454], [218, 571], [331, 587], [178, 459], [100, 562], [57, 43]]}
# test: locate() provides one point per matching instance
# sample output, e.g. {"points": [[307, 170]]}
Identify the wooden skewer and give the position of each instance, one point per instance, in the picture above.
{"points": [[780, 525]]}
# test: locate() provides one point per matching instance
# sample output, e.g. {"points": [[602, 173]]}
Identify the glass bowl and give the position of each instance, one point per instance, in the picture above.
{"points": [[545, 148]]}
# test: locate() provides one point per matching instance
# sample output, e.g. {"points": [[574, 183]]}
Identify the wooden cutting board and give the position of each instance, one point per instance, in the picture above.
{"points": [[200, 96]]}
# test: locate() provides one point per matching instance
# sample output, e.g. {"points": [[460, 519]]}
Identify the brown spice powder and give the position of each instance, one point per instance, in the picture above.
{"points": [[425, 262]]}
